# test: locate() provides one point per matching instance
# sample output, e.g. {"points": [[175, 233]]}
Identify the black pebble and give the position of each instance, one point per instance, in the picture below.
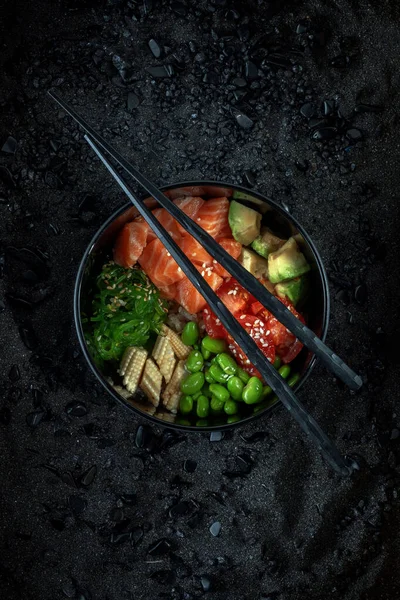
{"points": [[33, 419], [155, 48], [29, 276], [325, 133], [243, 120], [216, 436], [190, 465], [180, 510], [328, 107], [88, 476], [132, 101], [14, 373], [250, 70], [76, 409], [302, 165], [10, 145], [6, 176], [368, 108], [159, 72], [308, 110], [128, 499], [159, 548], [239, 94], [28, 336], [343, 297], [354, 135], [206, 584], [215, 528], [249, 178], [179, 8], [240, 82], [361, 294]]}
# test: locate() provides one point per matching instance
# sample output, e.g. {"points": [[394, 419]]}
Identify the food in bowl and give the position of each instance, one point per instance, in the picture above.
{"points": [[160, 344]]}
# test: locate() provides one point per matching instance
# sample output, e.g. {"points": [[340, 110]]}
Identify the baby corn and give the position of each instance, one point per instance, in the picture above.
{"points": [[164, 356], [151, 382], [172, 392], [132, 363], [180, 349]]}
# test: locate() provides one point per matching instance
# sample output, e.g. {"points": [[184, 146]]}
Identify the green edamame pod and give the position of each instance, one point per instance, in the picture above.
{"points": [[277, 362], [227, 363], [185, 404], [206, 353], [190, 333], [203, 407], [208, 376], [192, 383], [216, 405], [194, 361], [219, 391], [233, 419], [231, 407], [266, 391], [293, 379], [241, 373], [284, 371], [252, 392], [235, 387], [213, 345], [202, 423], [217, 373]]}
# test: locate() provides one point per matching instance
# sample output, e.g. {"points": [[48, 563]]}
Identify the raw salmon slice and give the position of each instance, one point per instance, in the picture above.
{"points": [[233, 248], [213, 216], [167, 222], [195, 251], [130, 243], [159, 265], [187, 295], [191, 206], [168, 291]]}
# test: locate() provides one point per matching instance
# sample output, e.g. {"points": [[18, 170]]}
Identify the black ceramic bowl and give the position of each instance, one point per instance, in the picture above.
{"points": [[99, 250]]}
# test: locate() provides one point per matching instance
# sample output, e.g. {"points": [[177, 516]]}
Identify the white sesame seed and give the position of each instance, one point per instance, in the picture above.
{"points": [[248, 324], [203, 273], [267, 332], [214, 261], [168, 254], [179, 270], [242, 317]]}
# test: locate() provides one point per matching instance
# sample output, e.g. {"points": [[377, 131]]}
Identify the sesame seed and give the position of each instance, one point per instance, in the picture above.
{"points": [[242, 317], [203, 273], [214, 261], [267, 332], [168, 254], [248, 324], [179, 270]]}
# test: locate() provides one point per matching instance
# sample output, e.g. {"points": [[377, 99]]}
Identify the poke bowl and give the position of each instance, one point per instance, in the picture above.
{"points": [[153, 342]]}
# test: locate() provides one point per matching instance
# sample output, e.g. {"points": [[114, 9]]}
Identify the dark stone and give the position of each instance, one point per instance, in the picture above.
{"points": [[216, 436], [368, 108], [240, 82], [132, 101], [206, 583], [250, 70], [179, 8], [14, 373], [243, 120], [190, 465], [361, 294], [239, 94], [87, 478], [33, 419], [181, 509], [215, 529], [76, 409], [325, 133], [249, 178], [308, 110], [28, 336], [354, 135], [211, 77], [162, 71], [10, 145], [155, 48], [7, 177], [328, 107]]}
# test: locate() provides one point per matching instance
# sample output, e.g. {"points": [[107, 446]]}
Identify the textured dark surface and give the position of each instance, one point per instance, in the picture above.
{"points": [[83, 502]]}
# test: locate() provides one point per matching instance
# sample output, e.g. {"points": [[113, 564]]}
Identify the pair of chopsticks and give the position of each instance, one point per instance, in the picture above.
{"points": [[277, 308]]}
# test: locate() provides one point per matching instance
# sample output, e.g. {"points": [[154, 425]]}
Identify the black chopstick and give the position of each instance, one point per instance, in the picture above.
{"points": [[331, 361], [268, 372]]}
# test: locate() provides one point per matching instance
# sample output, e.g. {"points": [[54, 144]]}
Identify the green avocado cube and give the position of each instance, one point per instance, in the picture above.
{"points": [[287, 262]]}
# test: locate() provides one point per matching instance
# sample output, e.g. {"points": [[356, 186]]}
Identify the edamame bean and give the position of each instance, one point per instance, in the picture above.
{"points": [[219, 391], [196, 395], [190, 333], [216, 405], [293, 379], [284, 371], [203, 407], [277, 362], [209, 377], [206, 353], [241, 373], [235, 387], [227, 363], [217, 373], [266, 391], [186, 404], [213, 345], [192, 383], [202, 423], [233, 419], [194, 361], [252, 392], [231, 407], [205, 390]]}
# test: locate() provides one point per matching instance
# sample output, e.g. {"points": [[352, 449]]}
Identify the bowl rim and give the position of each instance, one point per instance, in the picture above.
{"points": [[78, 320]]}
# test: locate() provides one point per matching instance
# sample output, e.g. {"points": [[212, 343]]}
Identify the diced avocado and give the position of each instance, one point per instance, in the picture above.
{"points": [[241, 196], [287, 263], [294, 290], [257, 265], [244, 222], [267, 242]]}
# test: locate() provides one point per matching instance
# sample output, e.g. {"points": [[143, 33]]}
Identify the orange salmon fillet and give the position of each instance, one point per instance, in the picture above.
{"points": [[130, 243]]}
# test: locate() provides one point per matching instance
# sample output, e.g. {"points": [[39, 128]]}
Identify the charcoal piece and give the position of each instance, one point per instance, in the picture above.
{"points": [[155, 48], [87, 478], [9, 146]]}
